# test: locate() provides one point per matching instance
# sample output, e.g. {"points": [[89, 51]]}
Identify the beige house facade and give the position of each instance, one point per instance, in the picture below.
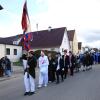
{"points": [[73, 41]]}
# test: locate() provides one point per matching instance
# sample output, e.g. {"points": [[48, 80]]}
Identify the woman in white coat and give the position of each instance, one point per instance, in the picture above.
{"points": [[43, 65]]}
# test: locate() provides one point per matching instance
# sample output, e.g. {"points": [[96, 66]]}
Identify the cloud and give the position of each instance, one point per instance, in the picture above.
{"points": [[81, 15]]}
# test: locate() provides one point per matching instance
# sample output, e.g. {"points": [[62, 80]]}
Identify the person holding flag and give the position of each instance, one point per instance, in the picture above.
{"points": [[30, 61]]}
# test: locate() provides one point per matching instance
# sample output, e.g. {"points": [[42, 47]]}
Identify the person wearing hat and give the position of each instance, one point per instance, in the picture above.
{"points": [[65, 58], [59, 67], [43, 66], [29, 77]]}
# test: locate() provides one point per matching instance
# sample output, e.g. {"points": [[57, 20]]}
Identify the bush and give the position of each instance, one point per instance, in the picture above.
{"points": [[18, 63]]}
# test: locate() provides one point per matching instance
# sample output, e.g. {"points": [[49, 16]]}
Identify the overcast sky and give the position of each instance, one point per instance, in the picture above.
{"points": [[81, 15]]}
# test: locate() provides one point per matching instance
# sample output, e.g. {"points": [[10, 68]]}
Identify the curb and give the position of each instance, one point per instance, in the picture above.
{"points": [[9, 78]]}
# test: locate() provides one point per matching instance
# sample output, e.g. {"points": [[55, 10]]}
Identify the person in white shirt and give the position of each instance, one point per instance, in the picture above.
{"points": [[59, 67], [43, 65]]}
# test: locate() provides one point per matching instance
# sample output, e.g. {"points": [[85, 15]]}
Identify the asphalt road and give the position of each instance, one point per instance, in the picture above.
{"points": [[82, 86]]}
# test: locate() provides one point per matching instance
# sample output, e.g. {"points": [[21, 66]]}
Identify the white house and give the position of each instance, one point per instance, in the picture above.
{"points": [[51, 39], [7, 48]]}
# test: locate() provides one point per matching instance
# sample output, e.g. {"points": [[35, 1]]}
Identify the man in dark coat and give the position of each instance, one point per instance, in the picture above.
{"points": [[90, 60], [59, 67], [65, 58], [1, 68], [51, 69], [29, 77], [71, 63], [8, 66]]}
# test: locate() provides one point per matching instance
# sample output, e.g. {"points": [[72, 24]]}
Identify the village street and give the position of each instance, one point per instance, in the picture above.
{"points": [[82, 86]]}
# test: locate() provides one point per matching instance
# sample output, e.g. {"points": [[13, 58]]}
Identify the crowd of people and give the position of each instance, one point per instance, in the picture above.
{"points": [[5, 66], [53, 68]]}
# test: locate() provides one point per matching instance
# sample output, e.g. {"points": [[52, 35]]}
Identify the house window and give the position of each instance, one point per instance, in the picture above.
{"points": [[52, 49], [62, 49], [7, 51], [15, 51]]}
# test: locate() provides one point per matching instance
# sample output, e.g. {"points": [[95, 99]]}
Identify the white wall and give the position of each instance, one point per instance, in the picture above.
{"points": [[65, 42], [2, 50], [49, 49], [13, 57]]}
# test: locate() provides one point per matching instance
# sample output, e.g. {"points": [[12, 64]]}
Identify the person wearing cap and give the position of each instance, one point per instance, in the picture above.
{"points": [[71, 63], [29, 76], [59, 67], [43, 66], [65, 58]]}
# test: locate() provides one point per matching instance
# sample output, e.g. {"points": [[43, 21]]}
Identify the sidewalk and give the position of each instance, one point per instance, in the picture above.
{"points": [[16, 71]]}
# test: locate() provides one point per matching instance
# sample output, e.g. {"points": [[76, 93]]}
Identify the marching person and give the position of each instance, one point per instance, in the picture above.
{"points": [[59, 67], [91, 60], [66, 63], [51, 68], [43, 65], [71, 63], [85, 61], [1, 68], [29, 76], [8, 66]]}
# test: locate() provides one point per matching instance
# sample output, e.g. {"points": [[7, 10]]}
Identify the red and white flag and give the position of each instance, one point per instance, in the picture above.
{"points": [[25, 19], [27, 35]]}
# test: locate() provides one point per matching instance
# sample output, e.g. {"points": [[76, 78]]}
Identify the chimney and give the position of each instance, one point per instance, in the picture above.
{"points": [[49, 28]]}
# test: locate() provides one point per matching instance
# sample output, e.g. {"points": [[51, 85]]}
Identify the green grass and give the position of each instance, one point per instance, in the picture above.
{"points": [[19, 63]]}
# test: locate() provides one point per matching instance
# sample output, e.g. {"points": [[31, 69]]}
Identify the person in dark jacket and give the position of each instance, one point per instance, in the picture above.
{"points": [[51, 69], [91, 60], [87, 60], [1, 68], [65, 58], [29, 77], [8, 66], [59, 67], [71, 63], [84, 61]]}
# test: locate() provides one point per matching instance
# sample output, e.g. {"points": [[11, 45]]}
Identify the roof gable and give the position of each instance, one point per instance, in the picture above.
{"points": [[41, 39], [46, 39]]}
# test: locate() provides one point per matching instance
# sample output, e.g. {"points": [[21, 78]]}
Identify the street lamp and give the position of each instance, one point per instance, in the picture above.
{"points": [[1, 7]]}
